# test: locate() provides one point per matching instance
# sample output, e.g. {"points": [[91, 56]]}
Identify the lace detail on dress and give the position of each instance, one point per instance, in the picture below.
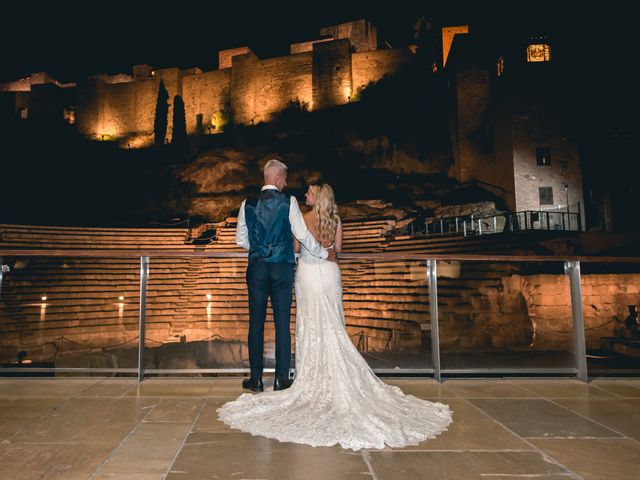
{"points": [[335, 398]]}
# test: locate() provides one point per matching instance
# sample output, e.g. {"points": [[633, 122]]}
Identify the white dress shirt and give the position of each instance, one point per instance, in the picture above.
{"points": [[298, 228]]}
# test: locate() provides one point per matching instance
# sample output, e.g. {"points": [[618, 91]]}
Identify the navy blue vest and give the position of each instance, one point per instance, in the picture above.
{"points": [[267, 219]]}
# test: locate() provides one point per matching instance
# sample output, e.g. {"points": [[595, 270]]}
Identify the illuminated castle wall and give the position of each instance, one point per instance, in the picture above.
{"points": [[246, 89]]}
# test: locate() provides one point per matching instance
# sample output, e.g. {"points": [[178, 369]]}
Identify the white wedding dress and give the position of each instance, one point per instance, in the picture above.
{"points": [[335, 398]]}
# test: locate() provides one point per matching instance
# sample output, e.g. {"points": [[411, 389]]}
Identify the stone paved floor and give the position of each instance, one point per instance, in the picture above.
{"points": [[103, 429]]}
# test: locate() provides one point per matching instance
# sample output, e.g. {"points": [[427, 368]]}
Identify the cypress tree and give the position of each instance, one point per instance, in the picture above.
{"points": [[162, 112], [179, 122]]}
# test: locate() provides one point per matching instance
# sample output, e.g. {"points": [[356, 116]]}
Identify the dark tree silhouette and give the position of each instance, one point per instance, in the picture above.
{"points": [[162, 111], [179, 122], [426, 38]]}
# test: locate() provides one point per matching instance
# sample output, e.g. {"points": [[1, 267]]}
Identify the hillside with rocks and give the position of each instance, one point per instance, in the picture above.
{"points": [[387, 154]]}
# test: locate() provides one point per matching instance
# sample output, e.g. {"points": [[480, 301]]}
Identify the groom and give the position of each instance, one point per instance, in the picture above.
{"points": [[265, 227]]}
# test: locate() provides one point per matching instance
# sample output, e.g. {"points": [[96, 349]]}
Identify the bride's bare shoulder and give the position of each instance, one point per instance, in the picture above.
{"points": [[309, 218]]}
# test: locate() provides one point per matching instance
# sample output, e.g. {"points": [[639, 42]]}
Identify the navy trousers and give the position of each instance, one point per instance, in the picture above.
{"points": [[275, 281]]}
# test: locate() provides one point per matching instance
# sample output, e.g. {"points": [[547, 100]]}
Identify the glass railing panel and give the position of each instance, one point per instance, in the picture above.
{"points": [[198, 318], [69, 313], [611, 301], [504, 317], [386, 304]]}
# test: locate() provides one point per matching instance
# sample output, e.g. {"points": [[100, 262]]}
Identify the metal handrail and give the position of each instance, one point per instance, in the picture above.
{"points": [[571, 266], [456, 225], [160, 253]]}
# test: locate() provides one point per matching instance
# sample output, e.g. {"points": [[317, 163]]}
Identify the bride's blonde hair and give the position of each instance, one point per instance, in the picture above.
{"points": [[326, 212]]}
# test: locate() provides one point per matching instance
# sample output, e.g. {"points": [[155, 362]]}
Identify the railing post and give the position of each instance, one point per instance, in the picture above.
{"points": [[457, 229], [572, 269], [1, 275], [480, 226], [579, 218], [432, 279], [144, 275], [464, 228], [441, 225], [495, 224]]}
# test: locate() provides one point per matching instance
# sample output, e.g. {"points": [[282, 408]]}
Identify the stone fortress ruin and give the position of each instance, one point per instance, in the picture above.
{"points": [[500, 138]]}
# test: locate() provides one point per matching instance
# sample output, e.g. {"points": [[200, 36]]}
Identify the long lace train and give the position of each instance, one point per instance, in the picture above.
{"points": [[335, 398]]}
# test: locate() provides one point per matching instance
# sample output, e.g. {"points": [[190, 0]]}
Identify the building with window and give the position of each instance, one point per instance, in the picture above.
{"points": [[508, 123]]}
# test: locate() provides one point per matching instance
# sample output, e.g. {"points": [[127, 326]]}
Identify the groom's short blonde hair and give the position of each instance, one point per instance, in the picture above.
{"points": [[274, 167]]}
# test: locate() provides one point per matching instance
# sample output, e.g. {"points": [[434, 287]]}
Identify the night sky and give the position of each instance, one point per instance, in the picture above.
{"points": [[72, 42]]}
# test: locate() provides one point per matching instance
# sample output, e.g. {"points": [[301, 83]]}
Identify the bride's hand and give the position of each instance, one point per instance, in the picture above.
{"points": [[333, 256]]}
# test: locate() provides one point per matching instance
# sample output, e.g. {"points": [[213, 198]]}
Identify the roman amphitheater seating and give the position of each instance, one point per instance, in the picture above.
{"points": [[93, 302], [27, 236]]}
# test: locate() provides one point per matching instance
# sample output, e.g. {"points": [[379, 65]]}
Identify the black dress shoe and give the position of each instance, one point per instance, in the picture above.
{"points": [[253, 384], [282, 384]]}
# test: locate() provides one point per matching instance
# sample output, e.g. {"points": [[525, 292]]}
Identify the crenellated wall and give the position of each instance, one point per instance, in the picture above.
{"points": [[246, 89], [319, 73], [362, 35]]}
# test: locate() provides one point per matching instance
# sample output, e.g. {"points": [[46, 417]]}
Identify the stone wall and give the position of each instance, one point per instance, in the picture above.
{"points": [[472, 104], [605, 300], [206, 94], [21, 85], [481, 140], [225, 57], [243, 87], [332, 80], [87, 114], [306, 46], [125, 108], [260, 88], [46, 103], [530, 131], [361, 33], [371, 66]]}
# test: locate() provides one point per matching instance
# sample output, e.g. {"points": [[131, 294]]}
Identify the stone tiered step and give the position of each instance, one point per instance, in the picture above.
{"points": [[27, 236], [386, 302], [83, 295]]}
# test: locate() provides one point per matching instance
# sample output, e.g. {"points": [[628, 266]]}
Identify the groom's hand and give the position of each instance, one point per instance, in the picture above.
{"points": [[333, 256]]}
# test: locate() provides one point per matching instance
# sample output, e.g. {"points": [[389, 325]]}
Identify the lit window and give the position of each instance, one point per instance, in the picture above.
{"points": [[500, 66], [546, 195], [538, 52], [69, 115], [543, 156]]}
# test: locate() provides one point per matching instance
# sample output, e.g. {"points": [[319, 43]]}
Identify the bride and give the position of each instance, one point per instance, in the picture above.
{"points": [[335, 398]]}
